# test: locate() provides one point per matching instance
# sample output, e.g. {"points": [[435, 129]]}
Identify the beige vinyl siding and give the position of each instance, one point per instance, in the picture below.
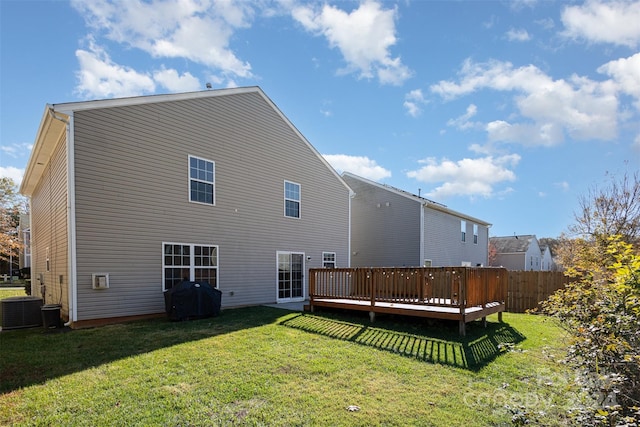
{"points": [[512, 261], [385, 228], [132, 194], [443, 241], [49, 230]]}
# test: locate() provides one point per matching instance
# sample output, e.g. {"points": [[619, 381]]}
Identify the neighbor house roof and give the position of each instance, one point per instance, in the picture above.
{"points": [[512, 244], [422, 200]]}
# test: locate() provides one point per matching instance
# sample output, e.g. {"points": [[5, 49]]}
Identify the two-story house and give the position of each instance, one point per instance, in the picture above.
{"points": [[520, 252], [130, 196], [391, 227]]}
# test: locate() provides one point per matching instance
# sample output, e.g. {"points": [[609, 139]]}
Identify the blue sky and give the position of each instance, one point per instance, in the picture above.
{"points": [[507, 111]]}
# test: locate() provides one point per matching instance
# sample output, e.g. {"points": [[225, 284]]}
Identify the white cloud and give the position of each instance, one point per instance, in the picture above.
{"points": [[12, 172], [358, 165], [177, 83], [625, 72], [580, 107], [518, 35], [16, 150], [363, 37], [562, 185], [413, 102], [613, 22], [466, 177], [196, 30], [490, 22], [100, 77], [546, 23], [462, 122]]}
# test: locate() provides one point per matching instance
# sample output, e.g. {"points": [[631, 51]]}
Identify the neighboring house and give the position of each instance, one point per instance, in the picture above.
{"points": [[519, 253], [131, 196], [546, 263], [391, 227]]}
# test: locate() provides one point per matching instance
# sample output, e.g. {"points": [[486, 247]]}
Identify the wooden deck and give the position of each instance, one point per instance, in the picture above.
{"points": [[453, 293]]}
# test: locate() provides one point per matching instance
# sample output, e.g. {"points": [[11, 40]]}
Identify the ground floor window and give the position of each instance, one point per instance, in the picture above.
{"points": [[186, 261], [328, 259]]}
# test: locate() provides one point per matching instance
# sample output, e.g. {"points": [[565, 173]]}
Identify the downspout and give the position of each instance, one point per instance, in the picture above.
{"points": [[71, 220], [423, 206], [352, 195]]}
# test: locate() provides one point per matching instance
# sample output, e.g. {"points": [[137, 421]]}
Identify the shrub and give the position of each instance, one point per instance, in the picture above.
{"points": [[602, 312]]}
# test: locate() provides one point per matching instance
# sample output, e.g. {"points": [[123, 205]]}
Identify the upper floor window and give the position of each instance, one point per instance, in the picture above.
{"points": [[291, 199], [463, 230], [475, 233], [202, 181], [328, 259]]}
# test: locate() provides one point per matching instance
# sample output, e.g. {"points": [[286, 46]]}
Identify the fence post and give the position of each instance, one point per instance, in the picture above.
{"points": [[312, 288], [462, 301], [372, 290]]}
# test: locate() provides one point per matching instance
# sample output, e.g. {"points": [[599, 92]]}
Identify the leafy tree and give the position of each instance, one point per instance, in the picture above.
{"points": [[610, 211], [602, 312], [613, 210], [11, 206], [601, 308]]}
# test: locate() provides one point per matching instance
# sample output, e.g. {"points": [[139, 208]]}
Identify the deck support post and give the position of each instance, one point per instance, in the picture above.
{"points": [[372, 316], [500, 316], [484, 322], [462, 328]]}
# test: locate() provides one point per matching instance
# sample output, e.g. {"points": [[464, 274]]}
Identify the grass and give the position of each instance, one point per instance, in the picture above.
{"points": [[7, 291], [266, 366]]}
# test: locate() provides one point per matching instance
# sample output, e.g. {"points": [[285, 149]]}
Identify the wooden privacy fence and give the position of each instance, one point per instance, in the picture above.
{"points": [[528, 288], [457, 293]]}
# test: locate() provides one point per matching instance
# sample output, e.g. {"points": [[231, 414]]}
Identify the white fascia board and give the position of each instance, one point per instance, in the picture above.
{"points": [[51, 128], [149, 99]]}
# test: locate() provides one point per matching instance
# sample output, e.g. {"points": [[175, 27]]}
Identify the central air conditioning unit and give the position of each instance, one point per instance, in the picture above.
{"points": [[21, 312]]}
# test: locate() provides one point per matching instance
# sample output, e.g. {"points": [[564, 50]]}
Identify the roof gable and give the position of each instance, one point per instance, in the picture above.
{"points": [[57, 117], [512, 244], [419, 199]]}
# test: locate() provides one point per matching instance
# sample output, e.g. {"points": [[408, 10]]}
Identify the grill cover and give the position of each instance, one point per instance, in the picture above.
{"points": [[192, 300]]}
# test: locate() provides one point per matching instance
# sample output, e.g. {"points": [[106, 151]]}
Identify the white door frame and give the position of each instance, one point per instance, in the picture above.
{"points": [[290, 298]]}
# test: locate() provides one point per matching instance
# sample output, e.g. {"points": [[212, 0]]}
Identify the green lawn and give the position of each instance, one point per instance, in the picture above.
{"points": [[267, 366], [7, 291]]}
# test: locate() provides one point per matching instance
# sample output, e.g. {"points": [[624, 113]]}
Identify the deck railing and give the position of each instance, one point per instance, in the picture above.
{"points": [[438, 286]]}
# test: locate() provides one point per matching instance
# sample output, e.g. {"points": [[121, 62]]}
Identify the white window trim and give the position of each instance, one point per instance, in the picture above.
{"points": [[192, 266], [334, 262], [284, 204], [189, 180], [305, 283]]}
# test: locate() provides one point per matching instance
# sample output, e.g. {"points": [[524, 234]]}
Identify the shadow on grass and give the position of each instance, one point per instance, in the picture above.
{"points": [[34, 356], [427, 340]]}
